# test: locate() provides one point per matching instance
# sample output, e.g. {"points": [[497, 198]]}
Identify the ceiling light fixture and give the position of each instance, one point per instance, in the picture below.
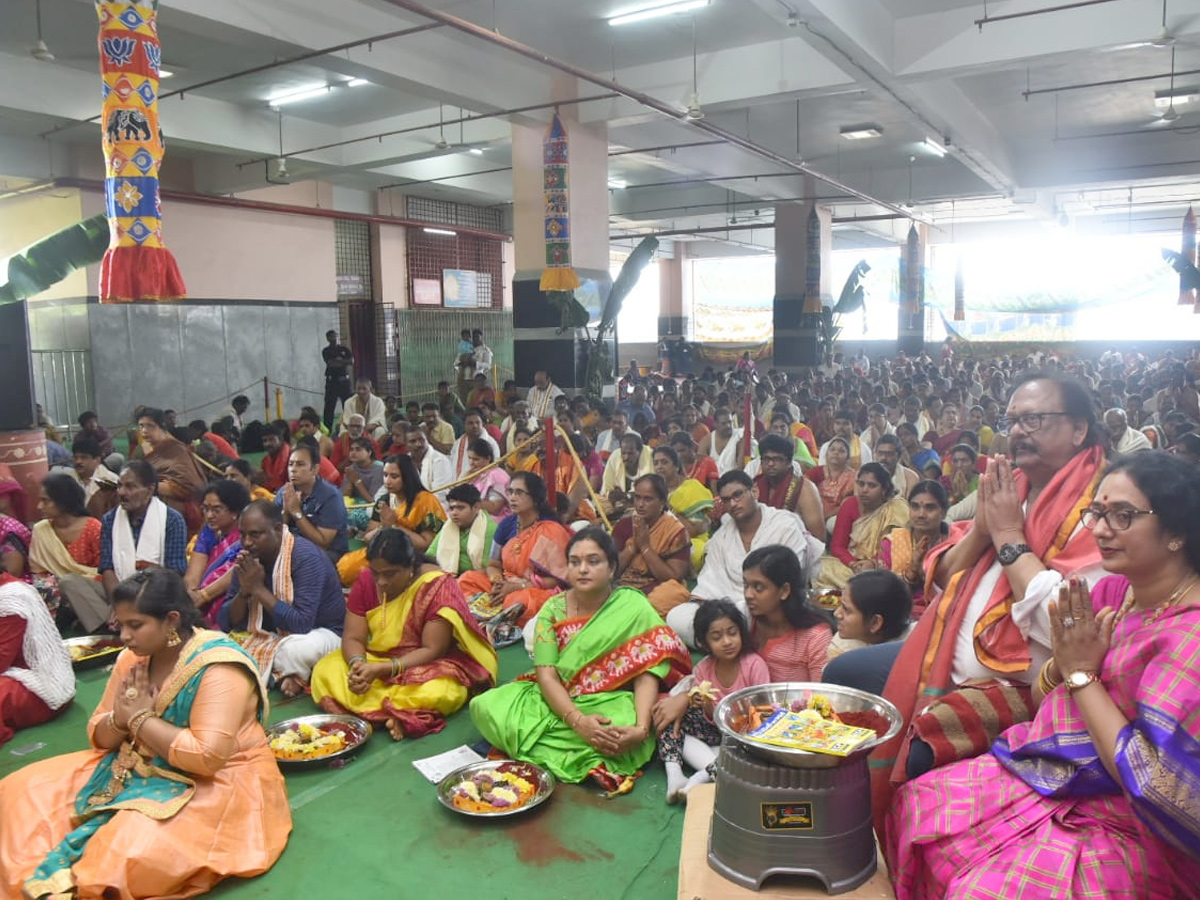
{"points": [[165, 73], [617, 184], [444, 232], [861, 132], [476, 151], [1177, 97], [934, 147], [357, 82], [656, 10], [297, 96]]}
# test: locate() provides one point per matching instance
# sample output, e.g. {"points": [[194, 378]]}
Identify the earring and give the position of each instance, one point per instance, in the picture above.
{"points": [[1173, 546], [173, 639]]}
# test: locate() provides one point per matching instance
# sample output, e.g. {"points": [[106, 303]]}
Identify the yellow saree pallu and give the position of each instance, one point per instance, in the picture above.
{"points": [[425, 514], [866, 536], [421, 696], [693, 502]]}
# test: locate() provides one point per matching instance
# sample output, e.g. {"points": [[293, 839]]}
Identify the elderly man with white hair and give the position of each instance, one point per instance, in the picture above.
{"points": [[1124, 439]]}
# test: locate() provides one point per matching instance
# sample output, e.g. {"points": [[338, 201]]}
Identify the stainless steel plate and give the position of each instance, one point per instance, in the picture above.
{"points": [[736, 707], [94, 650], [357, 732], [542, 780]]}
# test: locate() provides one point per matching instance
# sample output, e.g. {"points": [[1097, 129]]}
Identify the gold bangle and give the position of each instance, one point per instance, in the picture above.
{"points": [[136, 723], [111, 720]]}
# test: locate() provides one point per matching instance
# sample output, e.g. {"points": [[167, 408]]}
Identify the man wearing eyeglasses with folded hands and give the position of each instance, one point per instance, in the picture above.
{"points": [[986, 630]]}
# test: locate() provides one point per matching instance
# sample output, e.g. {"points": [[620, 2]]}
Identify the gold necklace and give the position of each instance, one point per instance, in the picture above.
{"points": [[1157, 612]]}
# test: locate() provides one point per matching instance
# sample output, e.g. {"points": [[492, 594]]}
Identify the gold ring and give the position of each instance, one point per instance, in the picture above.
{"points": [[131, 693]]}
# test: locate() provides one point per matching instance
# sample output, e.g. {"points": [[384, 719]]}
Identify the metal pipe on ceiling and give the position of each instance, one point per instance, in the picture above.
{"points": [[664, 147], [266, 67], [441, 123], [85, 184], [1108, 83], [639, 97], [1062, 7]]}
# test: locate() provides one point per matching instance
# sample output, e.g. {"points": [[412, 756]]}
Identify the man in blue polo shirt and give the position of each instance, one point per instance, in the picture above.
{"points": [[313, 508], [285, 588]]}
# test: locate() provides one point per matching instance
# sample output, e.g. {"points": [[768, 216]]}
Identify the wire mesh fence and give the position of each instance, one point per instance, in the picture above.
{"points": [[428, 344]]}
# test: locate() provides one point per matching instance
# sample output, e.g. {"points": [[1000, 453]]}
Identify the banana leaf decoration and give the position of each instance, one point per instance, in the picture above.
{"points": [[627, 278], [573, 313], [1189, 275], [854, 291], [600, 361], [42, 265]]}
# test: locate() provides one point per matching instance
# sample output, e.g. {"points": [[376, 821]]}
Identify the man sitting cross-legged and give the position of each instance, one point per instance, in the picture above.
{"points": [[286, 593]]}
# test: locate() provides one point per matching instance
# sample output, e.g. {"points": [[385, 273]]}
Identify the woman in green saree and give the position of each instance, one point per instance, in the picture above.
{"points": [[179, 790], [601, 658]]}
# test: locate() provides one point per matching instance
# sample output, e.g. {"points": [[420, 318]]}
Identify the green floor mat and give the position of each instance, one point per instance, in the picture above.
{"points": [[376, 824]]}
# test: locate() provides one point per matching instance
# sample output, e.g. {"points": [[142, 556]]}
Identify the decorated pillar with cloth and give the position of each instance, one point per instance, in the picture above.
{"points": [[137, 265], [558, 274]]}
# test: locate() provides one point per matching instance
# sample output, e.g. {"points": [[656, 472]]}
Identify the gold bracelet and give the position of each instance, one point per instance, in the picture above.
{"points": [[136, 723], [112, 723]]}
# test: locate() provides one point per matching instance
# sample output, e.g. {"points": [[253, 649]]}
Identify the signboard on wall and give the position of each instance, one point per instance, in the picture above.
{"points": [[426, 292], [460, 288], [351, 287]]}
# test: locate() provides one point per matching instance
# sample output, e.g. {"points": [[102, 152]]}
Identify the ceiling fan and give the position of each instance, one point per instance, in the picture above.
{"points": [[1163, 39], [1169, 115], [40, 51]]}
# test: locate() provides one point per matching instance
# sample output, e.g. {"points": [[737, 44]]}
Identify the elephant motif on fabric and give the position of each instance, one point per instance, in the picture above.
{"points": [[129, 125]]}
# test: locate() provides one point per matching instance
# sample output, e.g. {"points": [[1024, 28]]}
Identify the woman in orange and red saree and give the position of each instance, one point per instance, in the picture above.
{"points": [[180, 479], [1095, 797], [179, 789], [529, 563], [411, 652], [601, 658]]}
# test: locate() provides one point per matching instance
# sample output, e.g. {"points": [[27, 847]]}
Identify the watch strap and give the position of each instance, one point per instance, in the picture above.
{"points": [[1010, 553]]}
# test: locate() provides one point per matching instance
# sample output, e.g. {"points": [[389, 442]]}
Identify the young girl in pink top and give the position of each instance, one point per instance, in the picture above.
{"points": [[686, 732], [790, 634]]}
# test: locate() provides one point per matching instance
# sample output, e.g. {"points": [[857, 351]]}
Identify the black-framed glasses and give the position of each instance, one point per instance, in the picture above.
{"points": [[1119, 518], [1030, 422]]}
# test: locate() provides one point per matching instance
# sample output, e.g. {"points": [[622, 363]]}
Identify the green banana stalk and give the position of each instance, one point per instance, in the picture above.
{"points": [[42, 265]]}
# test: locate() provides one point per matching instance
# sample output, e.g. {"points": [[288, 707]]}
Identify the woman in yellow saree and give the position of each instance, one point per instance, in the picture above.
{"points": [[862, 522], [529, 553], [411, 652], [404, 503]]}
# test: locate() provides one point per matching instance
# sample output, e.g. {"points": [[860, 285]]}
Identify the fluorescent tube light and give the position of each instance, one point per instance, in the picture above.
{"points": [[617, 184], [297, 96], [165, 73], [446, 232], [357, 82], [934, 147], [1178, 97], [656, 10], [861, 132], [476, 151]]}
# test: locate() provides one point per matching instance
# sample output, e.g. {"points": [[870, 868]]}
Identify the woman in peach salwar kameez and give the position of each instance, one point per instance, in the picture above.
{"points": [[179, 790], [529, 552]]}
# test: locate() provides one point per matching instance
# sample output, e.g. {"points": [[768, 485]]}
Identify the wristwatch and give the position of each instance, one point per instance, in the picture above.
{"points": [[1080, 679], [1010, 553]]}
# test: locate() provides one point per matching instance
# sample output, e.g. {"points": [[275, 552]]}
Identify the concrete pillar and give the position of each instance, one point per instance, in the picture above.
{"points": [[535, 320], [796, 343]]}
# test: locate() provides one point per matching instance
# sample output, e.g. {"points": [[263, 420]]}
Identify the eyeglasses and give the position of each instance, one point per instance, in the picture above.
{"points": [[517, 492], [1118, 518], [1030, 422]]}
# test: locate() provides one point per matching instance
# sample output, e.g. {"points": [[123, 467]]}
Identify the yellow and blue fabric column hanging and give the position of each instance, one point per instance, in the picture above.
{"points": [[913, 287], [1187, 248], [812, 269], [137, 265], [558, 274]]}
